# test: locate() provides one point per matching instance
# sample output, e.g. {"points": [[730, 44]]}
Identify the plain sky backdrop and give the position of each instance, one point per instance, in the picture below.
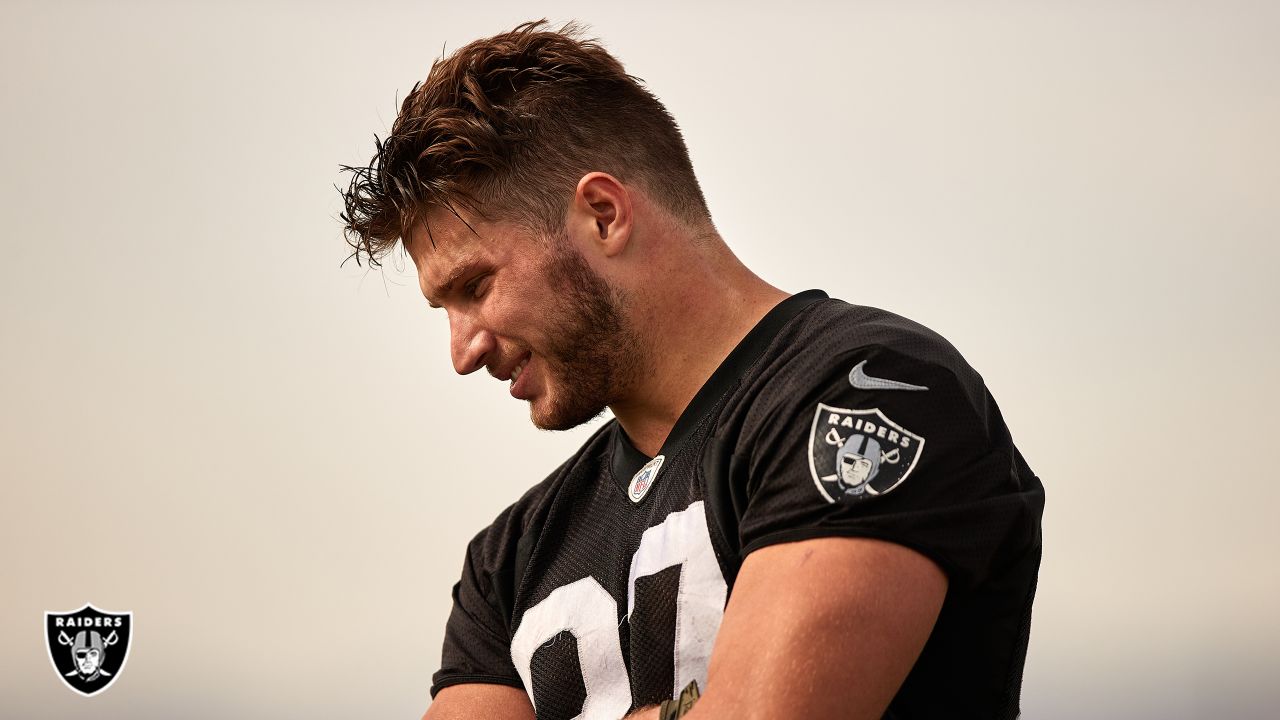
{"points": [[265, 456]]}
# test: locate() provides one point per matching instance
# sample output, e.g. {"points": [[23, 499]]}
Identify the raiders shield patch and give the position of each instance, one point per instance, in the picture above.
{"points": [[88, 647], [858, 454]]}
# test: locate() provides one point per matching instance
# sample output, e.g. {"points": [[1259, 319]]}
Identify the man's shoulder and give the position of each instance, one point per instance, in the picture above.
{"points": [[837, 327], [833, 339]]}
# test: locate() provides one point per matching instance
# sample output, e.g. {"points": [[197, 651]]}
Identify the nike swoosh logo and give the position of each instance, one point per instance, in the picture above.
{"points": [[861, 380]]}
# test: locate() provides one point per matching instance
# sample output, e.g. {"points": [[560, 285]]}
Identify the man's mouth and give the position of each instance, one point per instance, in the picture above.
{"points": [[517, 372]]}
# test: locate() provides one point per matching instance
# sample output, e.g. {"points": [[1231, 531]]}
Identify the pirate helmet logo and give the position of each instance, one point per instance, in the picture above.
{"points": [[859, 454], [88, 647]]}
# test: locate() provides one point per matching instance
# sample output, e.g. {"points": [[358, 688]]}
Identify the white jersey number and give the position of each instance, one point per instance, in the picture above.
{"points": [[586, 610]]}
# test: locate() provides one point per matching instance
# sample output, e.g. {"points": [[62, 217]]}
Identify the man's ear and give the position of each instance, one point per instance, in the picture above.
{"points": [[601, 213]]}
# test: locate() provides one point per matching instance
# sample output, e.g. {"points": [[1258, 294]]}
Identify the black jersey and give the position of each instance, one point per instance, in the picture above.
{"points": [[602, 589]]}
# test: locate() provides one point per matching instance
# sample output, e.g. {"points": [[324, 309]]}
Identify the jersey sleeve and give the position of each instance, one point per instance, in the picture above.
{"points": [[477, 638], [874, 442]]}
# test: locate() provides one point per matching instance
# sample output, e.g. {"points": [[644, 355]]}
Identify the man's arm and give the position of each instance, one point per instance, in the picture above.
{"points": [[480, 700], [823, 628]]}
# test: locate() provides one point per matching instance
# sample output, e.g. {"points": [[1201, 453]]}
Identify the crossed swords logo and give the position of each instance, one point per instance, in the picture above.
{"points": [[108, 641], [849, 462], [892, 457]]}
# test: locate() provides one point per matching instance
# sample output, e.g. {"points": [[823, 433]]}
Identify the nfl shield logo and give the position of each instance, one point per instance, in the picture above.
{"points": [[644, 479], [859, 454], [88, 647]]}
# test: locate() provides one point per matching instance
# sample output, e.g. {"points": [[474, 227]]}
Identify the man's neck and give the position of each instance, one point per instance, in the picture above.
{"points": [[690, 328]]}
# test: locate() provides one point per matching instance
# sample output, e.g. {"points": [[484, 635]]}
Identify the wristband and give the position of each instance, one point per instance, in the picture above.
{"points": [[679, 707]]}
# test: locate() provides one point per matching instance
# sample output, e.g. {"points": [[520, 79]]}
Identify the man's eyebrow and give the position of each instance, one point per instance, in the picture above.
{"points": [[463, 267]]}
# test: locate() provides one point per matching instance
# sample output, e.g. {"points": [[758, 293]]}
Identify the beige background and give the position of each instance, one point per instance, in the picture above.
{"points": [[267, 458]]}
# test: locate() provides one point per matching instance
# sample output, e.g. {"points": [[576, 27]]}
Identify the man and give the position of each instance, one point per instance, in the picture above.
{"points": [[811, 509]]}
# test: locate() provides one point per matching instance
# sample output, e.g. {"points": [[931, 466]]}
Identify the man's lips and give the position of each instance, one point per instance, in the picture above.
{"points": [[519, 377]]}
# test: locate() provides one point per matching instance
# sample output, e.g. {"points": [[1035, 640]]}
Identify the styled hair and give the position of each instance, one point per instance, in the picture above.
{"points": [[505, 127]]}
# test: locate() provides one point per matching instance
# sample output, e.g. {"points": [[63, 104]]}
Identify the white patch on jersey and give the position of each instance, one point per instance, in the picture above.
{"points": [[682, 539], [644, 479], [586, 610]]}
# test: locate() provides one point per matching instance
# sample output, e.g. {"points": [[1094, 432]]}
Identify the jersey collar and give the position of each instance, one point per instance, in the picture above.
{"points": [[627, 460]]}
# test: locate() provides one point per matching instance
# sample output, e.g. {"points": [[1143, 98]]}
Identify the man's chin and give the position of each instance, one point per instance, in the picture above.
{"points": [[545, 414]]}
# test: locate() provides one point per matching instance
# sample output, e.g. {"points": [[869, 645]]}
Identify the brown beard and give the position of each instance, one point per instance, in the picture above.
{"points": [[593, 354]]}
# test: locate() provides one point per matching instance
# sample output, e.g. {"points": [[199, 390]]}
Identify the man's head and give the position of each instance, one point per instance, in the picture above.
{"points": [[513, 176], [505, 127]]}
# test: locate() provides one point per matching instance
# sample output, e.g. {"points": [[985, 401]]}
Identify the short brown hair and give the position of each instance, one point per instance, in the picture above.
{"points": [[506, 126]]}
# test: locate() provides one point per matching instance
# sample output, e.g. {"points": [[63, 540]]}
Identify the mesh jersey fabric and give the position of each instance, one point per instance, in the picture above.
{"points": [[597, 605]]}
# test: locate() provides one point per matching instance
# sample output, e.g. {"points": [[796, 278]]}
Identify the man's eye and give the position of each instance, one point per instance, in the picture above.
{"points": [[476, 287]]}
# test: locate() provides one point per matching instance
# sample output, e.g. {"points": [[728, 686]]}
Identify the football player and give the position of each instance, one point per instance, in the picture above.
{"points": [[802, 507]]}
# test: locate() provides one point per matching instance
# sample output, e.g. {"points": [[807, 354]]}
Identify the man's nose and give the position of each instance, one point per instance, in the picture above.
{"points": [[470, 343]]}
